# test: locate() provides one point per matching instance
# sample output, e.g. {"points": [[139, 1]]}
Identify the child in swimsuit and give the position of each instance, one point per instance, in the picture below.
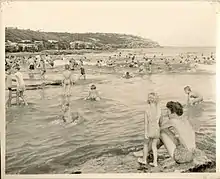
{"points": [[20, 87], [152, 128], [67, 76], [93, 94], [193, 98]]}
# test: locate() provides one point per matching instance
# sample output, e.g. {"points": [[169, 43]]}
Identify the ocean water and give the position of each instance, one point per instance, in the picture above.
{"points": [[38, 142]]}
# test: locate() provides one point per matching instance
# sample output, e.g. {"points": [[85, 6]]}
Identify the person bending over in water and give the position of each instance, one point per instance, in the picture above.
{"points": [[127, 75], [152, 128], [20, 87], [67, 77], [93, 94], [193, 98]]}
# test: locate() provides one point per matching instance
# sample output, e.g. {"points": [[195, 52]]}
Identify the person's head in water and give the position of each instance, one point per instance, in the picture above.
{"points": [[67, 67], [17, 68], [174, 108], [93, 87], [187, 89], [65, 106], [152, 98], [8, 70], [127, 73]]}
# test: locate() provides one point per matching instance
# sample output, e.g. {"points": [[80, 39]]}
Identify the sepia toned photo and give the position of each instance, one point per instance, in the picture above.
{"points": [[110, 87]]}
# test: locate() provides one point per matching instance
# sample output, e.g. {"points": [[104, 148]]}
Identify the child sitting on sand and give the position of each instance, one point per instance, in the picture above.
{"points": [[193, 98], [93, 94], [152, 128]]}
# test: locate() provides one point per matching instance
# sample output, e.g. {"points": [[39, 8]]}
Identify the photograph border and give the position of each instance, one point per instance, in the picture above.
{"points": [[109, 175]]}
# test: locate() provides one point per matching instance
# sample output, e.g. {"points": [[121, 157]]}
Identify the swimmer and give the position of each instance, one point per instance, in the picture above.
{"points": [[127, 75], [66, 82], [93, 94], [193, 98], [141, 68], [68, 115], [149, 66], [20, 87], [98, 64], [81, 62]]}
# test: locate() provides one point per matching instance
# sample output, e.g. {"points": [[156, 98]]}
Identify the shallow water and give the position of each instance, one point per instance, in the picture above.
{"points": [[38, 142]]}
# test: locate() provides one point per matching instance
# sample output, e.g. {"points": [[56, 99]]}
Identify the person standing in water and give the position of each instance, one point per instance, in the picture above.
{"points": [[67, 81], [83, 73], [20, 87], [31, 66], [9, 86], [152, 128], [43, 70]]}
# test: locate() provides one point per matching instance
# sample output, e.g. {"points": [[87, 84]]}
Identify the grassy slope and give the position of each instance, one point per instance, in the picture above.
{"points": [[99, 39]]}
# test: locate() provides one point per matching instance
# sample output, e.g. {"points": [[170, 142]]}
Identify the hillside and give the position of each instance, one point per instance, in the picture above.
{"points": [[112, 40]]}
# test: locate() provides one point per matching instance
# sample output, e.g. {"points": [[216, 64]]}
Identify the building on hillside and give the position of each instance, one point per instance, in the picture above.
{"points": [[81, 45], [53, 44], [40, 45], [11, 46], [27, 45]]}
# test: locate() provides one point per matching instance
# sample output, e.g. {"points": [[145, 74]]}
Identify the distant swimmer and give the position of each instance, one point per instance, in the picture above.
{"points": [[193, 98], [81, 62], [133, 57], [20, 87], [127, 75], [93, 94], [141, 68], [98, 64], [67, 80], [149, 66]]}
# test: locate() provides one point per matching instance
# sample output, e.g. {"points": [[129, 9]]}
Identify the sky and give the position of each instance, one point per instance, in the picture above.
{"points": [[169, 23]]}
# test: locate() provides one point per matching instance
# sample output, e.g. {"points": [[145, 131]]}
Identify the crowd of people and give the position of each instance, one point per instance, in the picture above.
{"points": [[176, 133]]}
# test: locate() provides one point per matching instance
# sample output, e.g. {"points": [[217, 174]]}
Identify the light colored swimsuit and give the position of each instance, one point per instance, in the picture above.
{"points": [[153, 128]]}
